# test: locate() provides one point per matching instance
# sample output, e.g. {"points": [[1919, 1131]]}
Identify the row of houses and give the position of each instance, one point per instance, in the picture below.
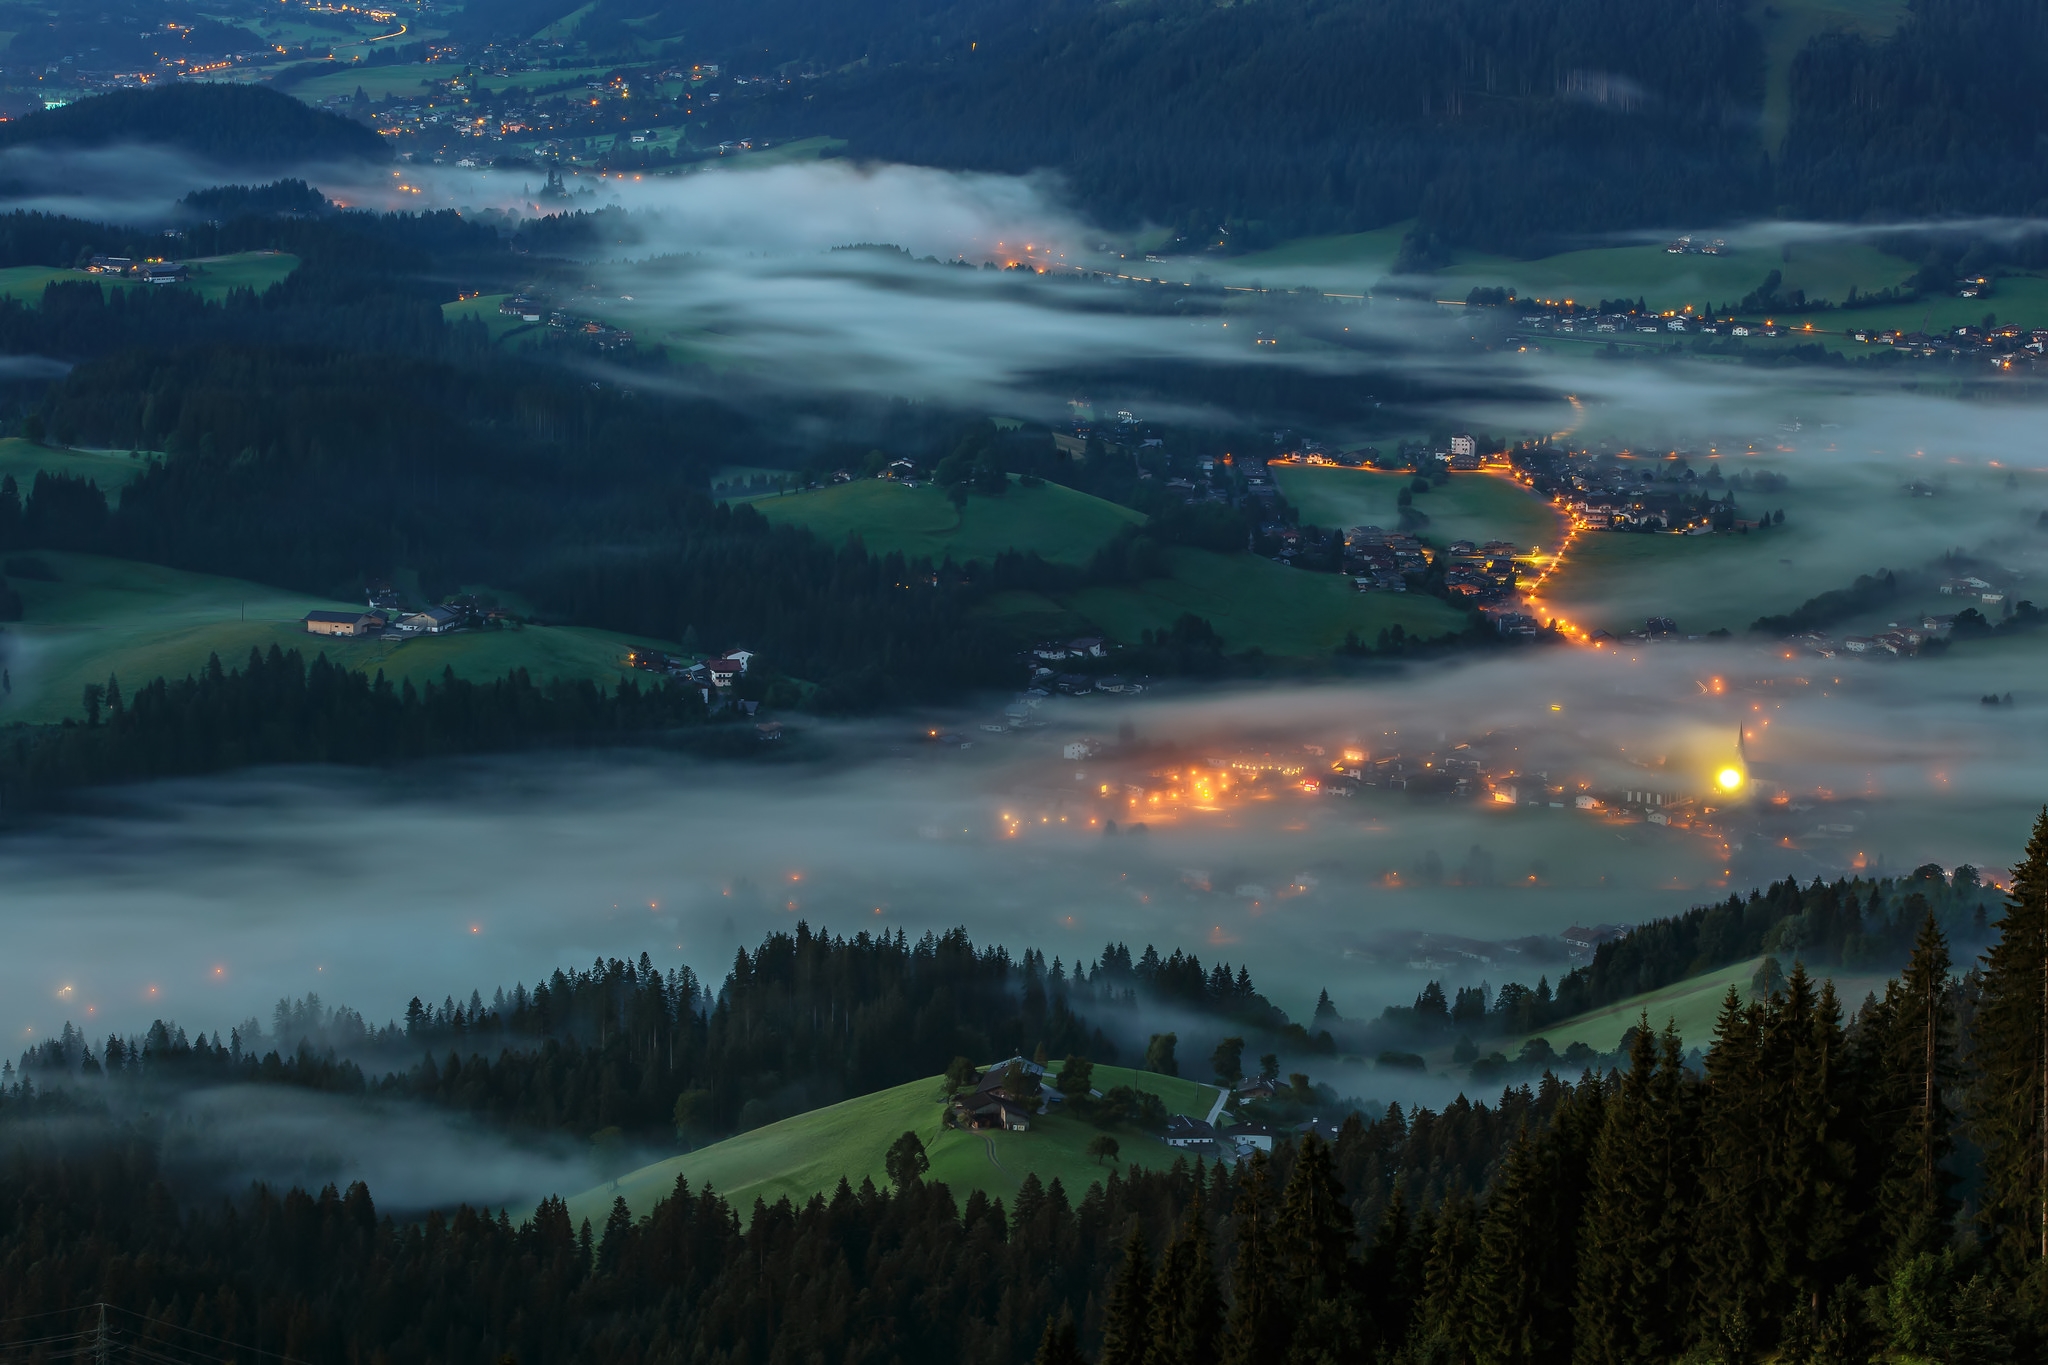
{"points": [[149, 272], [357, 624]]}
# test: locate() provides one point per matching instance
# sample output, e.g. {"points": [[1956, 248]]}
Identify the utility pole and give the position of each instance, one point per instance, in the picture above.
{"points": [[101, 1347]]}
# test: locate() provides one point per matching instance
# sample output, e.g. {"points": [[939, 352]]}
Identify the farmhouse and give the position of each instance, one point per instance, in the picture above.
{"points": [[1252, 1137], [1182, 1131], [432, 621], [349, 623]]}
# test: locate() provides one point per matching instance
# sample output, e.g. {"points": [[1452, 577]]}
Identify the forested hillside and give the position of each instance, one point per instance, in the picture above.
{"points": [[1820, 1189], [1498, 123]]}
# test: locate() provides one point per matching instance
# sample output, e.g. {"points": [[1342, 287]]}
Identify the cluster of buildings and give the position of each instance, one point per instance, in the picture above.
{"points": [[565, 325], [387, 625], [1481, 573], [1380, 561], [706, 674], [1009, 1094], [2004, 346], [155, 270]]}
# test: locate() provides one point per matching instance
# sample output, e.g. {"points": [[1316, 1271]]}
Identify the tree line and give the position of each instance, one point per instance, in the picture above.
{"points": [[277, 708]]}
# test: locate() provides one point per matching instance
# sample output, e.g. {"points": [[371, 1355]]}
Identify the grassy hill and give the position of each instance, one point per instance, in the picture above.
{"points": [[1063, 526], [808, 1154], [1474, 507], [1692, 1004], [1255, 603], [142, 621], [212, 276], [111, 469]]}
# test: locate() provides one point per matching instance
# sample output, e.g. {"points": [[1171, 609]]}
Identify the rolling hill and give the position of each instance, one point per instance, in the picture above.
{"points": [[1063, 526], [143, 621], [808, 1154], [232, 124]]}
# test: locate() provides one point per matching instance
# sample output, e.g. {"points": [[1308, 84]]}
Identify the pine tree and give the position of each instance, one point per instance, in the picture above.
{"points": [[1259, 1318], [1633, 1271], [1807, 1222], [1061, 1344], [1915, 1203], [1201, 1304], [1443, 1320], [1125, 1325], [1167, 1330], [1730, 1248], [1514, 1320], [1393, 1266], [1315, 1226], [2010, 1048]]}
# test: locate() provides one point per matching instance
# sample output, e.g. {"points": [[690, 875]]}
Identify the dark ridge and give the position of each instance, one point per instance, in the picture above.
{"points": [[236, 124]]}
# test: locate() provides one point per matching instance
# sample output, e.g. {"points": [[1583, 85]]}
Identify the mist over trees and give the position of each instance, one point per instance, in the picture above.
{"points": [[1815, 1187]]}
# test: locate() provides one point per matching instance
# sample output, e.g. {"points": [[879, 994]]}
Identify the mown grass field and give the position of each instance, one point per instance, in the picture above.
{"points": [[809, 1154], [113, 470], [1662, 280], [1691, 1005], [142, 621], [1063, 526], [1367, 254], [1474, 507], [212, 276], [378, 82], [1615, 580], [1255, 603]]}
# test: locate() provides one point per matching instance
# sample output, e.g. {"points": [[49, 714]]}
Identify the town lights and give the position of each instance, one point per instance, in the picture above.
{"points": [[1729, 779]]}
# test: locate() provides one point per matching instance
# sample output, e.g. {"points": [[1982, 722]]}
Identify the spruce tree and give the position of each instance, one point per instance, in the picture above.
{"points": [[1443, 1320], [1807, 1222], [1633, 1269], [1260, 1318], [1061, 1344], [1915, 1203], [1166, 1335], [1730, 1247], [2010, 1048], [1513, 1320], [1314, 1229], [1125, 1321]]}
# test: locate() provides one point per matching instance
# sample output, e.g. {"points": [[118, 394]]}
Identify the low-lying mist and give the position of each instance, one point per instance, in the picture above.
{"points": [[205, 902]]}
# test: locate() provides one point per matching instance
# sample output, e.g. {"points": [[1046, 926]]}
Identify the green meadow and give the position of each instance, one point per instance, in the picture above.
{"points": [[1691, 1005], [112, 470], [143, 621], [1472, 506], [484, 308], [1254, 603], [1662, 280], [378, 82], [810, 1153], [1617, 579], [212, 276], [1063, 526]]}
